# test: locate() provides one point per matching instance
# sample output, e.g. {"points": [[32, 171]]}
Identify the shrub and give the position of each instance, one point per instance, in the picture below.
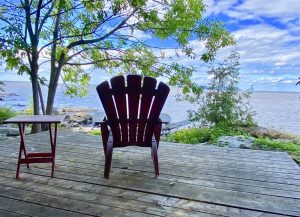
{"points": [[191, 135], [29, 109], [95, 132], [261, 132], [269, 144], [6, 113], [223, 103], [292, 148], [199, 135]]}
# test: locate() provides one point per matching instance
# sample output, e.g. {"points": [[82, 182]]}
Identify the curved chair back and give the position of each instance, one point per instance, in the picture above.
{"points": [[132, 106]]}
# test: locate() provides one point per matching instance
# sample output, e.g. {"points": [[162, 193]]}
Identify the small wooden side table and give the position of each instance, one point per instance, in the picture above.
{"points": [[37, 157]]}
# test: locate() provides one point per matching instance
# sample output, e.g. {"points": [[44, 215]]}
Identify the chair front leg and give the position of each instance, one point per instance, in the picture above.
{"points": [[105, 136], [108, 158], [155, 158], [157, 132]]}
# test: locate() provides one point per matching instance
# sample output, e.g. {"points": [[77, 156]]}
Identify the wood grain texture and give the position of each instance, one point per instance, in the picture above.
{"points": [[132, 105], [30, 119], [207, 181]]}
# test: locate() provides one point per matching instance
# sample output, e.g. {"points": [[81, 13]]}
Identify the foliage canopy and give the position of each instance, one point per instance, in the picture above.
{"points": [[115, 36]]}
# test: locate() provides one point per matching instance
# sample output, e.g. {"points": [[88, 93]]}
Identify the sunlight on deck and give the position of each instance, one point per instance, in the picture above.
{"points": [[194, 180]]}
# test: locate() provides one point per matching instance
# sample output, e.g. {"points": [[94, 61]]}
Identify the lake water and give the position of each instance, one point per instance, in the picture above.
{"points": [[280, 110]]}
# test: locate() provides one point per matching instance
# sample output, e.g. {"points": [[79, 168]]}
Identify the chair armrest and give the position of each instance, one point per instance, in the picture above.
{"points": [[104, 132], [162, 122], [104, 121], [157, 130], [164, 118]]}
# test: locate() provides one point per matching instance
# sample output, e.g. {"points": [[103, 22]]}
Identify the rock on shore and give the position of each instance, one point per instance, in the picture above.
{"points": [[235, 141], [8, 131]]}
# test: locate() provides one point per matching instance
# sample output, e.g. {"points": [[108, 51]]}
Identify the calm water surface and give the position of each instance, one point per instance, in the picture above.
{"points": [[280, 110]]}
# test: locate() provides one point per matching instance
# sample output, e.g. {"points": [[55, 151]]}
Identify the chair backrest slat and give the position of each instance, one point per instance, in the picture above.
{"points": [[133, 88], [148, 86], [157, 105], [132, 108], [118, 85], [106, 98]]}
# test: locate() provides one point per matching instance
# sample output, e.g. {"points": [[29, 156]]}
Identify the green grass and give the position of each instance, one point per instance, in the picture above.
{"points": [[292, 148], [200, 135], [95, 132], [268, 140]]}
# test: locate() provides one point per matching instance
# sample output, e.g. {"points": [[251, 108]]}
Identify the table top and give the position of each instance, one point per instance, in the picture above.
{"points": [[31, 119]]}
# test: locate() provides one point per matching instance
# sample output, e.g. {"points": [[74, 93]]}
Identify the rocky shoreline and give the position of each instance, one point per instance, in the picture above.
{"points": [[83, 119], [5, 95]]}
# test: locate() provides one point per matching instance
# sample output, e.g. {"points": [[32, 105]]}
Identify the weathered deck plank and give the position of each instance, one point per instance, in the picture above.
{"points": [[13, 207], [207, 181], [168, 203]]}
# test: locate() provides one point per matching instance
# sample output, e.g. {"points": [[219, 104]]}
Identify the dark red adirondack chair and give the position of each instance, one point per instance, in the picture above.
{"points": [[132, 110]]}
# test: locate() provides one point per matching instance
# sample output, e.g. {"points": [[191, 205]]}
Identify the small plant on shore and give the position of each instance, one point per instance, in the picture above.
{"points": [[271, 133], [200, 135], [28, 110], [190, 136], [223, 103], [292, 148], [6, 113], [94, 132]]}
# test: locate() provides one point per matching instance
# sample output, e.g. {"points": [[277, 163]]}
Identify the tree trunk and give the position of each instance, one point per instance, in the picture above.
{"points": [[45, 127], [51, 93], [55, 71], [33, 33], [41, 99], [36, 103], [53, 84]]}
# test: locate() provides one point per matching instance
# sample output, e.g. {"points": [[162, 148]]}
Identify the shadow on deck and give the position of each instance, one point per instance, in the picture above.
{"points": [[194, 181]]}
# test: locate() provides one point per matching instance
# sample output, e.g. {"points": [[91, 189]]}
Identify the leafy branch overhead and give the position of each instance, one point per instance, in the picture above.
{"points": [[115, 36]]}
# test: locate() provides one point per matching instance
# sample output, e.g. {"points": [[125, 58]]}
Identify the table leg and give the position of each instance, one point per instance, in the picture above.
{"points": [[22, 148], [53, 145]]}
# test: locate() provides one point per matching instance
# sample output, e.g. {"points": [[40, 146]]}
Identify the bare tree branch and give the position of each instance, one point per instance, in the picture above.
{"points": [[94, 62], [37, 19], [47, 15], [91, 41], [28, 20]]}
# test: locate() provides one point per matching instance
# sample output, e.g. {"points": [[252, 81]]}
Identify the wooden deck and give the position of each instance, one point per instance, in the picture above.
{"points": [[194, 181]]}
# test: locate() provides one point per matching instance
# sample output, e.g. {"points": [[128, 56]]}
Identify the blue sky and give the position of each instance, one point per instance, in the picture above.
{"points": [[268, 39]]}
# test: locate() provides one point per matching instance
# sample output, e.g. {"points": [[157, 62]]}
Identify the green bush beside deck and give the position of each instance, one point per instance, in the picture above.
{"points": [[270, 140], [6, 113]]}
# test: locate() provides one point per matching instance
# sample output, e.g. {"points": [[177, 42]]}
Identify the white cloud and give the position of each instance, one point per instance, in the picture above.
{"points": [[271, 79], [287, 9], [268, 36], [280, 63], [267, 44], [217, 7], [290, 81]]}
